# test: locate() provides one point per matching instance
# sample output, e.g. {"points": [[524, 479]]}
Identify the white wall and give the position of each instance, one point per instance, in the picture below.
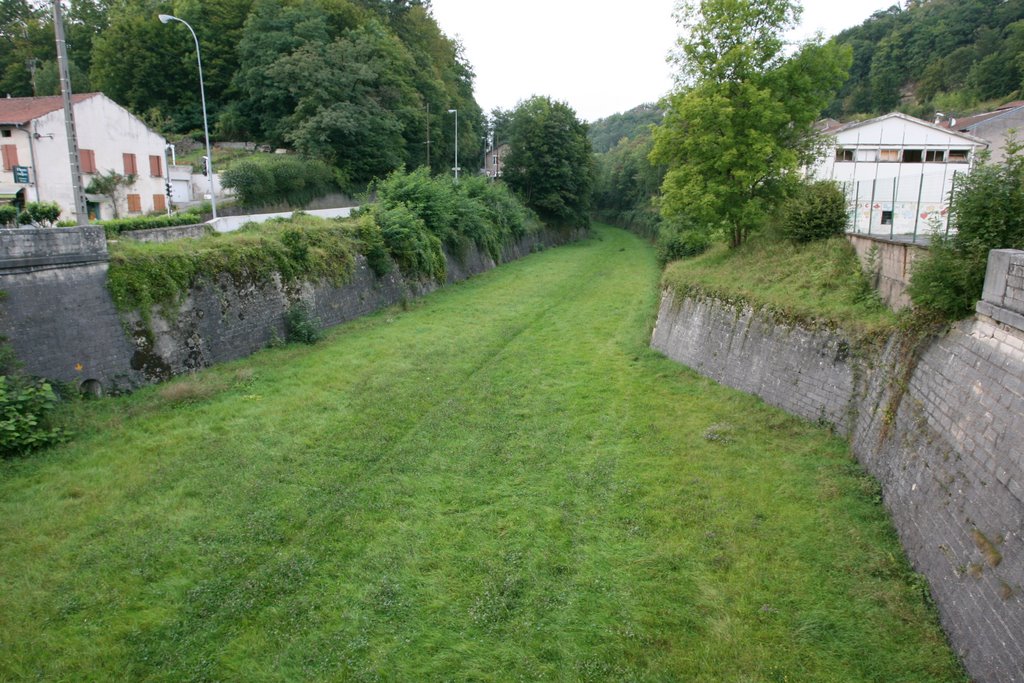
{"points": [[110, 131], [910, 197]]}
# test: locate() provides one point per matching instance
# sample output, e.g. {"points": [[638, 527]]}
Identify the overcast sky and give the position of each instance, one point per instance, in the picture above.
{"points": [[600, 56]]}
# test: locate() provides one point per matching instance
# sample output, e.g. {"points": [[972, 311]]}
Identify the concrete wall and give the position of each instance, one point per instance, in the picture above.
{"points": [[889, 263], [177, 232], [62, 323], [948, 449]]}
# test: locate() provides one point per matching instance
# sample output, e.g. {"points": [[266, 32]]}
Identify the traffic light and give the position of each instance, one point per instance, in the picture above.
{"points": [[206, 165]]}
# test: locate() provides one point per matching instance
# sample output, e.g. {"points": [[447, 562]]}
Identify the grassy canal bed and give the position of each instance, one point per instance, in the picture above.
{"points": [[501, 482]]}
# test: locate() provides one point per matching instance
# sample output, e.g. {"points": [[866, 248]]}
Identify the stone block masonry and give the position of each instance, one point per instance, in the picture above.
{"points": [[61, 320], [947, 448], [56, 311]]}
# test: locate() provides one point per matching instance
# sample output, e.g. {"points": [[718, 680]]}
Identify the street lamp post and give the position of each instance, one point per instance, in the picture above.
{"points": [[456, 169], [164, 18]]}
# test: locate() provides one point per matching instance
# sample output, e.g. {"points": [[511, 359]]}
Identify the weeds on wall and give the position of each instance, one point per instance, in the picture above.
{"points": [[301, 326], [414, 218], [144, 275]]}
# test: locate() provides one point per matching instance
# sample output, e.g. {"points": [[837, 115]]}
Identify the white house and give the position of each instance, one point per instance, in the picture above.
{"points": [[33, 141], [897, 171]]}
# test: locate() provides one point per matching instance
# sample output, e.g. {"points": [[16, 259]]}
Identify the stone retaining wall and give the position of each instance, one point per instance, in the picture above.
{"points": [[947, 447], [62, 324]]}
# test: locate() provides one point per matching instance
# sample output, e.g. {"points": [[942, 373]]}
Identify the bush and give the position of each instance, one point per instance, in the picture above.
{"points": [[370, 243], [674, 245], [432, 200], [988, 213], [816, 212], [415, 249], [301, 326], [291, 179], [26, 408], [115, 227], [8, 216]]}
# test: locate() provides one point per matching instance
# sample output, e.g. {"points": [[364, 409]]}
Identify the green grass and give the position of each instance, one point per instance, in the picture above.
{"points": [[500, 483], [816, 283], [223, 157]]}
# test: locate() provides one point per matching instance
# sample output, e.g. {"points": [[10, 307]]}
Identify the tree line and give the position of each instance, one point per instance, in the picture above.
{"points": [[933, 55], [360, 84]]}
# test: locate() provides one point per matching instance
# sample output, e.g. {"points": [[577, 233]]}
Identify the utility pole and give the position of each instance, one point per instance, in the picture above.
{"points": [[81, 213], [428, 136]]}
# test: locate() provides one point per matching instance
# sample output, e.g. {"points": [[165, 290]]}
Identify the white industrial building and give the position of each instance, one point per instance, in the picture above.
{"points": [[36, 166], [897, 171]]}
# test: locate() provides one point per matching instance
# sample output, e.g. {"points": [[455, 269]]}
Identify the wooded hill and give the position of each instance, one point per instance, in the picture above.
{"points": [[933, 55], [360, 84]]}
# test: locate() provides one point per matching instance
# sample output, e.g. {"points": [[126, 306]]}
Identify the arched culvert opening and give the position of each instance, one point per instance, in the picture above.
{"points": [[91, 388]]}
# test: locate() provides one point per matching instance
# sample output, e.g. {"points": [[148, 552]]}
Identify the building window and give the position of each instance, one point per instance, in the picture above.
{"points": [[155, 166], [87, 160], [10, 154], [887, 218], [890, 155], [159, 202], [934, 156], [6, 132], [844, 154], [134, 203], [913, 156], [130, 167], [959, 156]]}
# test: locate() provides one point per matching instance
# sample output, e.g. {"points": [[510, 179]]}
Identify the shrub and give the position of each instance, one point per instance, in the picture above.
{"points": [[988, 213], [115, 227], [44, 214], [674, 245], [8, 216], [816, 212], [294, 180], [432, 200], [370, 243], [300, 325], [26, 409], [415, 249]]}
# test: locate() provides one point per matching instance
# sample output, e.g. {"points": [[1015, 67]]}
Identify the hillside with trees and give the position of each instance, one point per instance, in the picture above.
{"points": [[359, 84], [607, 132], [933, 55]]}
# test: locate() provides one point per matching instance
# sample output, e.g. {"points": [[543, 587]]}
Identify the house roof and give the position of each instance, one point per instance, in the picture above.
{"points": [[910, 119], [16, 111], [968, 122]]}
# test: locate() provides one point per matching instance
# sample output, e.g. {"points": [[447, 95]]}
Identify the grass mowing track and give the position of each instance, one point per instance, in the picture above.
{"points": [[501, 483]]}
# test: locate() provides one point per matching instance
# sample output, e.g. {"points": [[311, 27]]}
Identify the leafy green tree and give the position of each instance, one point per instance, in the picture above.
{"points": [[988, 213], [737, 131], [111, 185], [549, 163]]}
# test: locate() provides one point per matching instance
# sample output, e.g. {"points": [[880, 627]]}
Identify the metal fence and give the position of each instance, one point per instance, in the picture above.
{"points": [[909, 208]]}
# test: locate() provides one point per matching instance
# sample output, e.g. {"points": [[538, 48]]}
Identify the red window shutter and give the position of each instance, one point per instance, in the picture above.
{"points": [[87, 160], [130, 168], [10, 153], [159, 202], [155, 167], [134, 203]]}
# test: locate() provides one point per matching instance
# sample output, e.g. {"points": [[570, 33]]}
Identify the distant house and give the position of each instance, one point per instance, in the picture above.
{"points": [[896, 170], [993, 126], [33, 140], [494, 161]]}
